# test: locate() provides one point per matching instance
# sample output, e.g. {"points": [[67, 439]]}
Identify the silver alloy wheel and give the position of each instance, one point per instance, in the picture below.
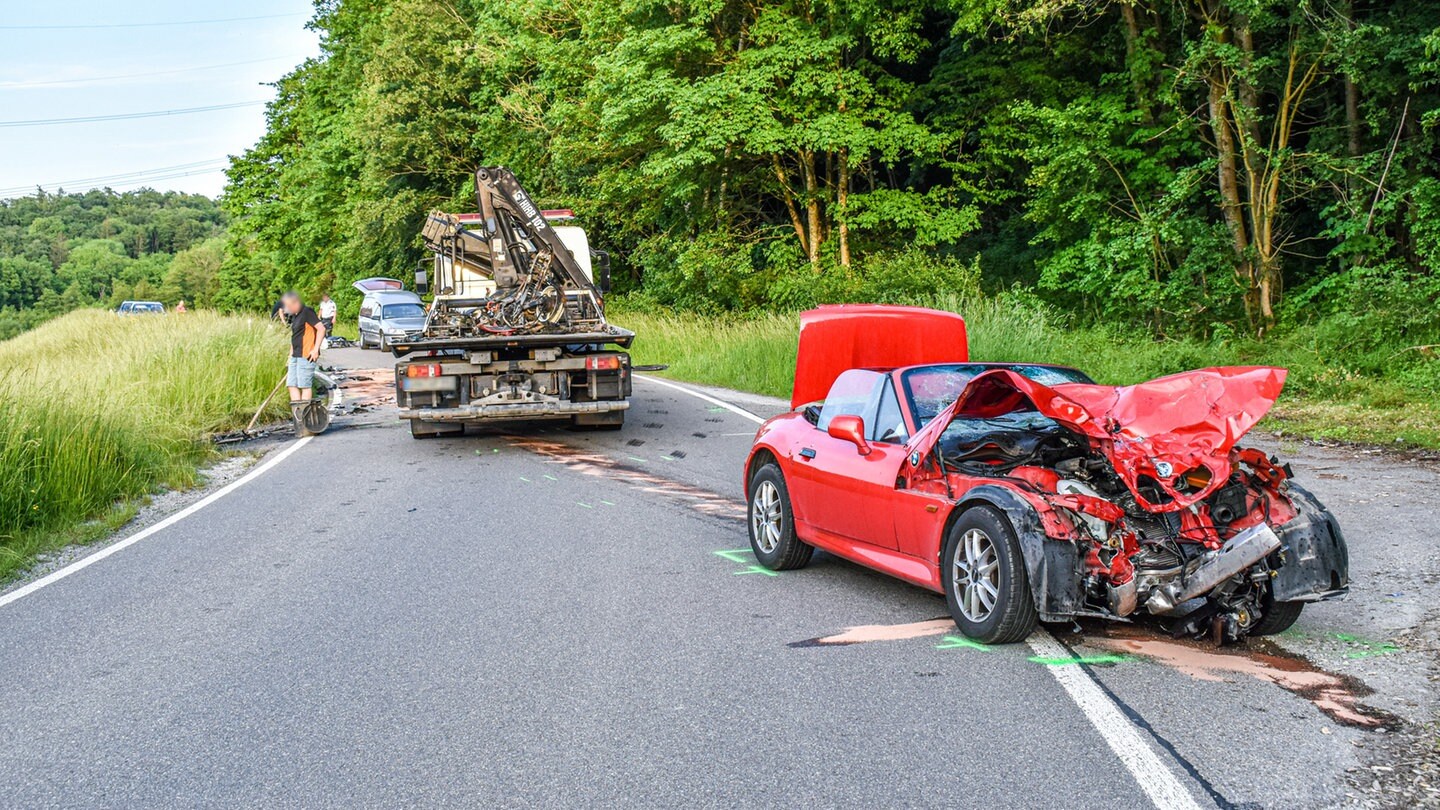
{"points": [[765, 517], [976, 575]]}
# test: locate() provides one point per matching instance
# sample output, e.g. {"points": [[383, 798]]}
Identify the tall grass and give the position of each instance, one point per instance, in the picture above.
{"points": [[1332, 392], [98, 410], [751, 353]]}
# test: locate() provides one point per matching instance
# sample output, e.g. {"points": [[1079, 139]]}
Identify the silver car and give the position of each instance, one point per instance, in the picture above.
{"points": [[388, 313], [140, 308]]}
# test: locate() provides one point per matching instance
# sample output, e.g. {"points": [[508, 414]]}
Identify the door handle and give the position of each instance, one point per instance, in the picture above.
{"points": [[807, 453]]}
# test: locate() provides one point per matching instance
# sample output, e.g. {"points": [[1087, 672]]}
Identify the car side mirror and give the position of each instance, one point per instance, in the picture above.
{"points": [[851, 429], [422, 281]]}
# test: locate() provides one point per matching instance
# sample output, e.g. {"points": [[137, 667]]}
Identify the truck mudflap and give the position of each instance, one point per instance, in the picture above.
{"points": [[515, 410]]}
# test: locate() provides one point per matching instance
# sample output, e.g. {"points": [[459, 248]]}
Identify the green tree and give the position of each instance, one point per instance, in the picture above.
{"points": [[194, 275]]}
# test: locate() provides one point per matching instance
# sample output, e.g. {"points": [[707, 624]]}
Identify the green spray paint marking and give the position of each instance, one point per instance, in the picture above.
{"points": [[1367, 647], [1079, 659], [960, 642], [1385, 648], [551, 477], [637, 458], [734, 554], [667, 458], [526, 480], [717, 409], [755, 569], [586, 505], [607, 503]]}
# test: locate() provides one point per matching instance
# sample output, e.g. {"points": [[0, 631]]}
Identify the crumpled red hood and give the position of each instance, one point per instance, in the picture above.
{"points": [[1159, 429]]}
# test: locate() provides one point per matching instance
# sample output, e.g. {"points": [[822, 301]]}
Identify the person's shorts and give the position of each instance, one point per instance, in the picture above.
{"points": [[300, 373]]}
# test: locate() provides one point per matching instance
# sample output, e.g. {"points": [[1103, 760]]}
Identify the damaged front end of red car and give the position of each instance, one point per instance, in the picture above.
{"points": [[1139, 499]]}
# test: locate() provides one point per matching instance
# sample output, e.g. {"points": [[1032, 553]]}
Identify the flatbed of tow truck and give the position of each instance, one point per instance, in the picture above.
{"points": [[610, 335]]}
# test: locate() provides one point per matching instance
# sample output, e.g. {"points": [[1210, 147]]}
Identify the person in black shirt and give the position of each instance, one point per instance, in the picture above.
{"points": [[307, 335]]}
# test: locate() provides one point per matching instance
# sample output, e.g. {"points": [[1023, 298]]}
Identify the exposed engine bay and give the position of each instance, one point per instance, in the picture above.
{"points": [[1145, 503]]}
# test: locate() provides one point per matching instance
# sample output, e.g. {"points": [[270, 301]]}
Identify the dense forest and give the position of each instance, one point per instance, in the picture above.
{"points": [[60, 252], [1206, 167]]}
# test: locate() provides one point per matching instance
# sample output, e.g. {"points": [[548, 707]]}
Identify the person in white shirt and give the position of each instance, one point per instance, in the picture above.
{"points": [[327, 314]]}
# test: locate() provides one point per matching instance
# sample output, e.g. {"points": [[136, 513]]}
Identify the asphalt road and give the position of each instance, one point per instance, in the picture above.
{"points": [[544, 618]]}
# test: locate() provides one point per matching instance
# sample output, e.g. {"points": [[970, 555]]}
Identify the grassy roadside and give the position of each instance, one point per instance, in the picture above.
{"points": [[1333, 392], [98, 411]]}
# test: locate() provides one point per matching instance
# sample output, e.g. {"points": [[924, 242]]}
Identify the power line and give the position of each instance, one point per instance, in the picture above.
{"points": [[140, 175], [121, 186], [100, 79], [42, 122], [134, 184], [99, 26]]}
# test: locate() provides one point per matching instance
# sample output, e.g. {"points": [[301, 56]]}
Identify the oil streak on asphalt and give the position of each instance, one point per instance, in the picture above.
{"points": [[594, 464], [1338, 696]]}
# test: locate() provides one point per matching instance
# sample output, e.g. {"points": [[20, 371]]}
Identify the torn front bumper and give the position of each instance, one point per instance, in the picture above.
{"points": [[1317, 562]]}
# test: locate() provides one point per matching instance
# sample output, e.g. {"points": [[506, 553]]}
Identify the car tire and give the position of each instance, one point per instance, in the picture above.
{"points": [[772, 522], [1277, 617], [986, 584]]}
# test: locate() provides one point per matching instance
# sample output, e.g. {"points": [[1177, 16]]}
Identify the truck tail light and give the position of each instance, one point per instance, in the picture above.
{"points": [[609, 362], [423, 370]]}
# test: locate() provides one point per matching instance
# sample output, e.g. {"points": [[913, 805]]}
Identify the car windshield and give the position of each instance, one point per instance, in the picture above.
{"points": [[929, 389], [403, 311]]}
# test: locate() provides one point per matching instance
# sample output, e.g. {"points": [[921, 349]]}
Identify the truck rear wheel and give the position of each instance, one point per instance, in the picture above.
{"points": [[611, 420], [423, 429]]}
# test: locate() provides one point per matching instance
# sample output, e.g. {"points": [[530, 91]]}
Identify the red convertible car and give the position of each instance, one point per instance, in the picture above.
{"points": [[1026, 492]]}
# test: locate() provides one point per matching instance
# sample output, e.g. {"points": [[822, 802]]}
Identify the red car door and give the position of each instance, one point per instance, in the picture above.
{"points": [[836, 489]]}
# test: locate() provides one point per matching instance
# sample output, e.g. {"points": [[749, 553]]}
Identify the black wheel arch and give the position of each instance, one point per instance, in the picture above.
{"points": [[759, 459], [1053, 566]]}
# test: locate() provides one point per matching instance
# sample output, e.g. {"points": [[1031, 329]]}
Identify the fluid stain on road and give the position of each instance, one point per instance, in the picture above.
{"points": [[369, 387], [1338, 696], [594, 464], [880, 632]]}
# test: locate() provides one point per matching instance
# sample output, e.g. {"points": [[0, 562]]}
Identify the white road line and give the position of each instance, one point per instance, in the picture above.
{"points": [[1149, 770], [699, 395], [1152, 774], [78, 565]]}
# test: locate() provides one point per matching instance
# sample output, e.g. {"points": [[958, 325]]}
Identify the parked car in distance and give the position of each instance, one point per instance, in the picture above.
{"points": [[388, 312], [1026, 492], [140, 308]]}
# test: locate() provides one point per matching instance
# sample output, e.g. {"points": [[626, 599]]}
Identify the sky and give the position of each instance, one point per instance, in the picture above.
{"points": [[128, 64]]}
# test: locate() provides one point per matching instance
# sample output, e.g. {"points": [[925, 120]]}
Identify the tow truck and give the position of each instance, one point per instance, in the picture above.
{"points": [[516, 327]]}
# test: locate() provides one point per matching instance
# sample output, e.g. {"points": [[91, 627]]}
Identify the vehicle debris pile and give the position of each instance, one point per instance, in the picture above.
{"points": [[506, 271], [1159, 511]]}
